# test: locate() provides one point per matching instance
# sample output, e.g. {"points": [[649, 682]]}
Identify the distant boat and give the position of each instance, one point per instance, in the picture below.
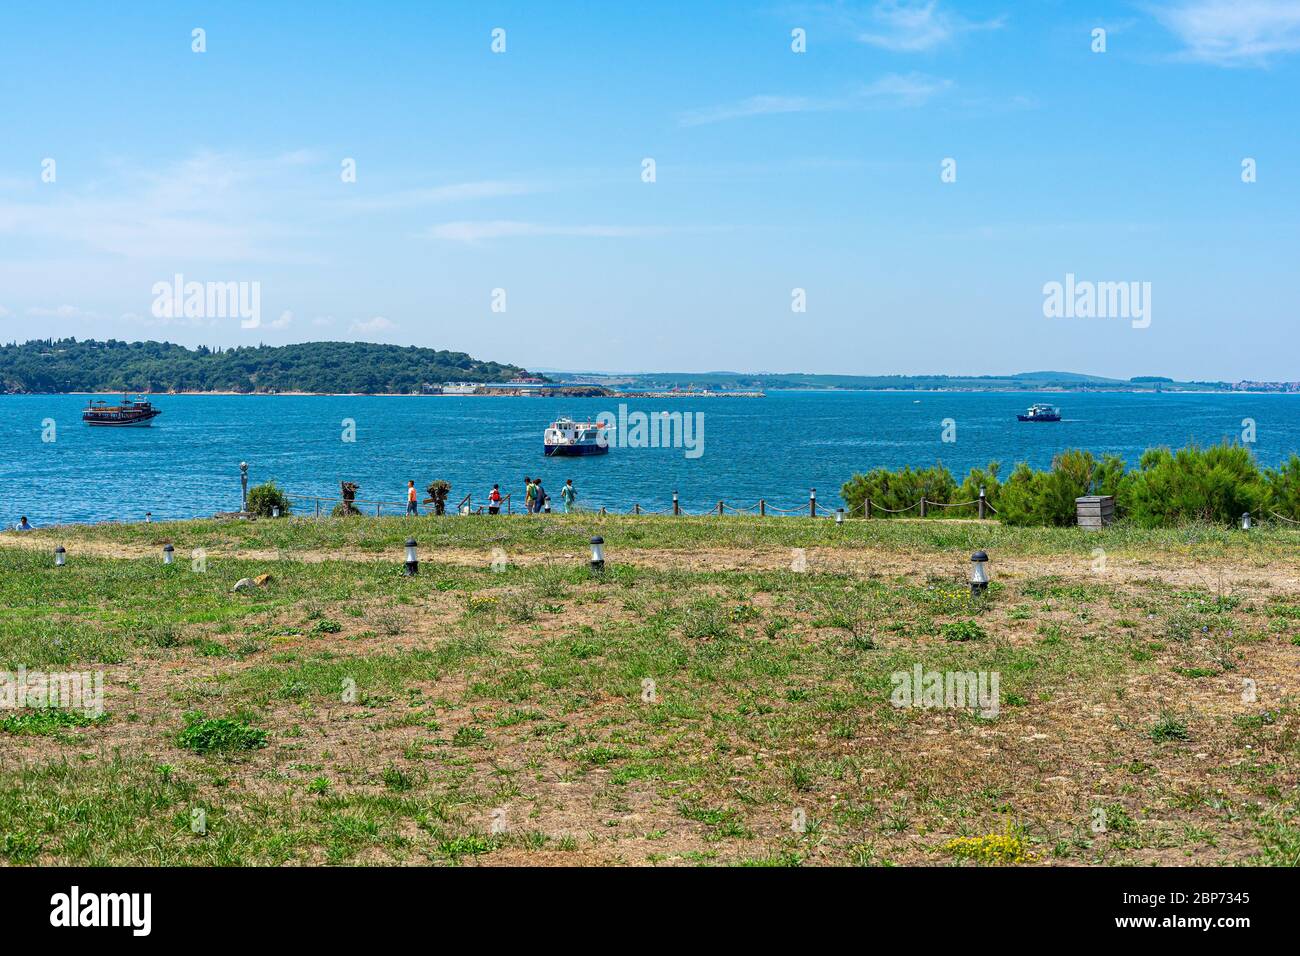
{"points": [[1040, 413], [567, 437], [132, 413]]}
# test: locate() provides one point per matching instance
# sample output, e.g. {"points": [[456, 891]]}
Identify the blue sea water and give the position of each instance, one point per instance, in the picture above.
{"points": [[776, 448]]}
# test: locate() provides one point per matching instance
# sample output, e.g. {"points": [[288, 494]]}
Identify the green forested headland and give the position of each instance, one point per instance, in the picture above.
{"points": [[67, 365]]}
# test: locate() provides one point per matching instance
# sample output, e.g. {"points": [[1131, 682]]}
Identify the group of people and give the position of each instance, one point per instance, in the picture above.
{"points": [[536, 499]]}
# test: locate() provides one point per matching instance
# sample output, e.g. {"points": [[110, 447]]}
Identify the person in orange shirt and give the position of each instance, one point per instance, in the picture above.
{"points": [[411, 509]]}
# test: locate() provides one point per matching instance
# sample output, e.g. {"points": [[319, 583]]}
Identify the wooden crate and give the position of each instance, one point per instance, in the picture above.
{"points": [[1094, 511]]}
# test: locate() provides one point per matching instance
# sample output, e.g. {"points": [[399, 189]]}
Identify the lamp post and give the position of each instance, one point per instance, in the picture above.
{"points": [[839, 516], [597, 555], [275, 511], [1245, 521], [979, 574], [243, 485], [60, 557], [169, 554], [412, 559]]}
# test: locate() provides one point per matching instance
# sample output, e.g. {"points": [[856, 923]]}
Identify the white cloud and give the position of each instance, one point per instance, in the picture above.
{"points": [[323, 320], [209, 207], [284, 321], [4, 313], [910, 27], [753, 106], [477, 231], [1234, 32], [376, 324], [891, 91]]}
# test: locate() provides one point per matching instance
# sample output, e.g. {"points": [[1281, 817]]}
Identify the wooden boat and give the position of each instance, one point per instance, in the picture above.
{"points": [[132, 413]]}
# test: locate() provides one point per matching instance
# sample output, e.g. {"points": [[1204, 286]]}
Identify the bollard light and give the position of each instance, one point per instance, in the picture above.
{"points": [[839, 516], [275, 511], [169, 554], [148, 517], [597, 555], [60, 557], [1245, 521], [412, 559], [979, 574]]}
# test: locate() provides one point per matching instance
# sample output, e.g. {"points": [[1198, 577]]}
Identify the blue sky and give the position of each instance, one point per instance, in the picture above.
{"points": [[775, 171]]}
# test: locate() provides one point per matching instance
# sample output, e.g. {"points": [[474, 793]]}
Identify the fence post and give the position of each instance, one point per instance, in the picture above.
{"points": [[981, 502], [812, 503], [923, 506], [866, 507], [636, 509], [762, 507], [317, 507], [677, 508], [378, 505], [719, 509]]}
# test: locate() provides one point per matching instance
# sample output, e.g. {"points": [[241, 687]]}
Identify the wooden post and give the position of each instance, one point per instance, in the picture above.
{"points": [[378, 505], [812, 503], [981, 502], [636, 509], [762, 507], [677, 508], [719, 509], [317, 507], [866, 507], [923, 506]]}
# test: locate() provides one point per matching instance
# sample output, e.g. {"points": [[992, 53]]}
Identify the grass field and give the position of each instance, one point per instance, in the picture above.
{"points": [[720, 696]]}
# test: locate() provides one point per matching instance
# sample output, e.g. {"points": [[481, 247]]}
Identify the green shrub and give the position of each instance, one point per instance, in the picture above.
{"points": [[897, 490], [262, 498], [1213, 484], [1284, 488], [203, 734]]}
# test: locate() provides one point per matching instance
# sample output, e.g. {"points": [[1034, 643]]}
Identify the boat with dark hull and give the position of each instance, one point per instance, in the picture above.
{"points": [[132, 413], [1040, 413], [567, 437]]}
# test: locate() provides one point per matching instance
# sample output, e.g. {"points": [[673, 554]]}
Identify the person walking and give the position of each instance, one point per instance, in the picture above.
{"points": [[529, 493], [568, 494], [494, 500], [411, 508], [22, 524], [539, 496]]}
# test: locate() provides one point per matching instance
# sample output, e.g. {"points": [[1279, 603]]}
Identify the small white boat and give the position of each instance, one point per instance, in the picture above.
{"points": [[567, 437]]}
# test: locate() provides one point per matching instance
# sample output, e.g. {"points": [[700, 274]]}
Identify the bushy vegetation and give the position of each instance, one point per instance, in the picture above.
{"points": [[1168, 488], [262, 499], [203, 734], [67, 365]]}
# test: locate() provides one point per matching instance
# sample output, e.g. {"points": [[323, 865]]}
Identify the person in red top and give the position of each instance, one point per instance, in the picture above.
{"points": [[494, 500], [411, 508]]}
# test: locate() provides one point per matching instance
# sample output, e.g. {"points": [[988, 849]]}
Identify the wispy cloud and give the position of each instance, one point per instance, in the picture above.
{"points": [[1234, 32], [891, 91], [477, 231], [911, 27], [371, 326]]}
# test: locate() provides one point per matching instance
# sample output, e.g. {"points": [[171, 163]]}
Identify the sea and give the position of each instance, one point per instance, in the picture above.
{"points": [[54, 469]]}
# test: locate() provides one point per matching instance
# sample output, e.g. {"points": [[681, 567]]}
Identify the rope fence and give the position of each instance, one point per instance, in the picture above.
{"points": [[324, 505]]}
